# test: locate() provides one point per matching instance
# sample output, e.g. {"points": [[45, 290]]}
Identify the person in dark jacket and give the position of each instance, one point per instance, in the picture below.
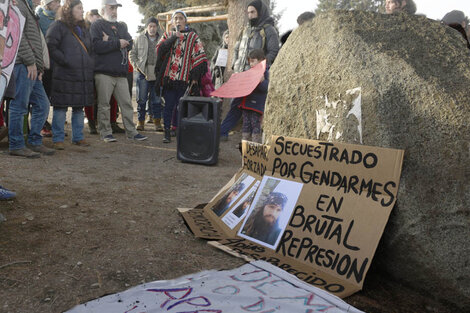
{"points": [[70, 48], [181, 62], [111, 43], [252, 106], [259, 34], [458, 21]]}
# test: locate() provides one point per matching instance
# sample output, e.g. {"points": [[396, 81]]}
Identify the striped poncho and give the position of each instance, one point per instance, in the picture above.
{"points": [[187, 60]]}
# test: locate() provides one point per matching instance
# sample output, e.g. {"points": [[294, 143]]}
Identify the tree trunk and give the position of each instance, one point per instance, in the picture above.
{"points": [[237, 20]]}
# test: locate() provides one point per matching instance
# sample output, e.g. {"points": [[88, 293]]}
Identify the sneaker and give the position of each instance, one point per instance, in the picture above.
{"points": [[6, 194], [109, 138], [46, 132], [81, 143], [25, 152], [42, 149], [139, 137], [173, 133], [58, 145]]}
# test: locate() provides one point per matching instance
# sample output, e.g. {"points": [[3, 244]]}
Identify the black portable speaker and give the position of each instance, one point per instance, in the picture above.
{"points": [[199, 130]]}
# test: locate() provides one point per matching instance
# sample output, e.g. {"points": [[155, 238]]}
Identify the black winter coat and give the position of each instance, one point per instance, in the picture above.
{"points": [[72, 66], [110, 59]]}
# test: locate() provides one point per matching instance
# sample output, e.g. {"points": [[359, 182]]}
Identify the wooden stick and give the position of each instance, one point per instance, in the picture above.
{"points": [[13, 263]]}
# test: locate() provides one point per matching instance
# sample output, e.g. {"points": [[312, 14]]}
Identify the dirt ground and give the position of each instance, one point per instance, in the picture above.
{"points": [[89, 222]]}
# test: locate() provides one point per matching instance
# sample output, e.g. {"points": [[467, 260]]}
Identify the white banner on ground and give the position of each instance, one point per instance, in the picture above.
{"points": [[254, 287]]}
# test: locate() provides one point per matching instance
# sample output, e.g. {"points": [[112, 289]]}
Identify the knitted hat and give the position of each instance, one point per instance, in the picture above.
{"points": [[454, 17], [276, 198], [180, 12], [151, 20]]}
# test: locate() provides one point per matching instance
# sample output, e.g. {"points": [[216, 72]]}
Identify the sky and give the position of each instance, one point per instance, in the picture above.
{"points": [[434, 9]]}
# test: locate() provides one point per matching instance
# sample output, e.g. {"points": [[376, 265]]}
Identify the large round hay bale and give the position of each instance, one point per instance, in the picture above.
{"points": [[414, 74]]}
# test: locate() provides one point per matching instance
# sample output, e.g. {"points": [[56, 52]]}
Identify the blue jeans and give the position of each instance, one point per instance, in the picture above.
{"points": [[231, 120], [27, 92], [146, 91], [58, 122], [172, 98]]}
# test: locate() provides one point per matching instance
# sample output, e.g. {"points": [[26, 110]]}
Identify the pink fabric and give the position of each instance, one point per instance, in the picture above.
{"points": [[207, 87]]}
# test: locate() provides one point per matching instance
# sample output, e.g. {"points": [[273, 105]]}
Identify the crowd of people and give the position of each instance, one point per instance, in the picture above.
{"points": [[85, 62]]}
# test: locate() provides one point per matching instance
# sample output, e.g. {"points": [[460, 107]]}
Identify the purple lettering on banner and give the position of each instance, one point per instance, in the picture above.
{"points": [[255, 307], [308, 299], [250, 280], [188, 301], [273, 283], [169, 292], [231, 290]]}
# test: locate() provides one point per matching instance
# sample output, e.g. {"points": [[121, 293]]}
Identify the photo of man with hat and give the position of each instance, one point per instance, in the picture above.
{"points": [[263, 222]]}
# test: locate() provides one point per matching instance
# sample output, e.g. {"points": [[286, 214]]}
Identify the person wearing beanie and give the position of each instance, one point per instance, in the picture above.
{"points": [[260, 33], [143, 58], [181, 63], [47, 13], [263, 223]]}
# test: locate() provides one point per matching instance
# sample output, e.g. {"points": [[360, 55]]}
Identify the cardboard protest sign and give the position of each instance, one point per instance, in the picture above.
{"points": [[11, 29], [318, 211], [241, 84], [254, 287]]}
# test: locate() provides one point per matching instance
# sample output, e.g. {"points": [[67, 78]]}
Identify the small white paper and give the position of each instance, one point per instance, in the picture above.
{"points": [[222, 58]]}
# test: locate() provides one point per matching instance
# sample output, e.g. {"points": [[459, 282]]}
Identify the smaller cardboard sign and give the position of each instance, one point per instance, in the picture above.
{"points": [[254, 157], [200, 224], [222, 57], [241, 84]]}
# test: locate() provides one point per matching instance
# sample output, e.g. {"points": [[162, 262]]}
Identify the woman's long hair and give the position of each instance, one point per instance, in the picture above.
{"points": [[65, 14]]}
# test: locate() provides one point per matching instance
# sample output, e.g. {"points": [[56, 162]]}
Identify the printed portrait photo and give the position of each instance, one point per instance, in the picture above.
{"points": [[270, 211], [240, 208], [232, 194]]}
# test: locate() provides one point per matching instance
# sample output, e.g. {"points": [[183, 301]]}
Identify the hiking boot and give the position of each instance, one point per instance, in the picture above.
{"points": [[6, 194], [3, 131], [81, 143], [42, 149], [92, 128], [158, 125], [150, 120], [58, 145], [167, 136], [109, 138], [141, 126], [25, 152], [116, 129], [139, 137]]}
